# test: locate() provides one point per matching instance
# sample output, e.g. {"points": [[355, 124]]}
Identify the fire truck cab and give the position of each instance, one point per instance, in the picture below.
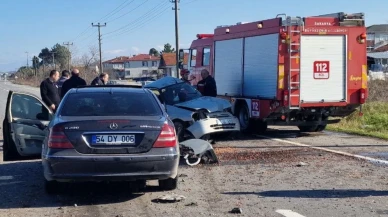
{"points": [[287, 70]]}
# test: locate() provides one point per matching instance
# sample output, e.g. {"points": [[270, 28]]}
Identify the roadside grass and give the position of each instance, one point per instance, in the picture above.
{"points": [[374, 122]]}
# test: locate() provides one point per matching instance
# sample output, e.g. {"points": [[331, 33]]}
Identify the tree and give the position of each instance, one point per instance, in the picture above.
{"points": [[168, 48], [61, 55], [153, 52], [35, 62], [46, 57]]}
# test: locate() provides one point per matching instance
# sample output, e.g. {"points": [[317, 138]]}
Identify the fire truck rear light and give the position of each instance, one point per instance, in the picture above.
{"points": [[227, 30], [363, 36], [283, 35], [283, 117], [285, 98], [362, 96]]}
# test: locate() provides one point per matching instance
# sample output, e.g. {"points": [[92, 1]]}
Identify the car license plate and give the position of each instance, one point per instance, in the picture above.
{"points": [[113, 139], [226, 121]]}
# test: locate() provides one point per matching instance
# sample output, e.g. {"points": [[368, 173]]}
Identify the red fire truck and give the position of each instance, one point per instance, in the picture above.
{"points": [[287, 70]]}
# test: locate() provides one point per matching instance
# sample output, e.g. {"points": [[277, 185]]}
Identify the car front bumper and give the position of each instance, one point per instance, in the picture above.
{"points": [[216, 122], [69, 165]]}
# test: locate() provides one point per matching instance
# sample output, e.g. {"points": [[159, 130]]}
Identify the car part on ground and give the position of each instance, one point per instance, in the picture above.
{"points": [[198, 150]]}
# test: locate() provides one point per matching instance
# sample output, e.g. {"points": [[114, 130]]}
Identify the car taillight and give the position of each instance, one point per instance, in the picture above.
{"points": [[362, 96], [285, 98], [167, 137], [58, 139]]}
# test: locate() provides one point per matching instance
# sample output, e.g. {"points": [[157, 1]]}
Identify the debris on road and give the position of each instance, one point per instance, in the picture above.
{"points": [[236, 211], [301, 164], [182, 175], [169, 198], [192, 204], [198, 150]]}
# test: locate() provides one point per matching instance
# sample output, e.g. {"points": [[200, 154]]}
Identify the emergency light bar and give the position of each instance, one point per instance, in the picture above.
{"points": [[201, 36]]}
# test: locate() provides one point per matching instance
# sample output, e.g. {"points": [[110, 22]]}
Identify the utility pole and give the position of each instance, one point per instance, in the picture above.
{"points": [[27, 58], [55, 65], [69, 57], [99, 41], [175, 8]]}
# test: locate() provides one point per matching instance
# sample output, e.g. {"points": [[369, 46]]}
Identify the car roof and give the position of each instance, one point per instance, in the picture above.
{"points": [[108, 90], [163, 82]]}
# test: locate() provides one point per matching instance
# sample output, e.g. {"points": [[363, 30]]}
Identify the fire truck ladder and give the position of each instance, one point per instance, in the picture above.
{"points": [[294, 54]]}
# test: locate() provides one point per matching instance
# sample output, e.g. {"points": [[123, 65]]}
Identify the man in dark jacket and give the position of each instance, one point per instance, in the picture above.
{"points": [[102, 79], [207, 86], [49, 91], [65, 76], [73, 82]]}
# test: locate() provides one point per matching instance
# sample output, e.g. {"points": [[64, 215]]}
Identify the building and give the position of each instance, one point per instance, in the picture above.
{"points": [[116, 66], [168, 63], [140, 65], [377, 38], [378, 61]]}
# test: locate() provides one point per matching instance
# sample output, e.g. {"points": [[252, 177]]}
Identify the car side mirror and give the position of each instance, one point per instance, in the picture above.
{"points": [[181, 54]]}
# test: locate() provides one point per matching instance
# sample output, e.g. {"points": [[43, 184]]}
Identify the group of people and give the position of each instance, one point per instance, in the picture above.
{"points": [[207, 86], [54, 88]]}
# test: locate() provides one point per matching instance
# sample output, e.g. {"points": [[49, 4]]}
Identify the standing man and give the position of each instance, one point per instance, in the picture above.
{"points": [[207, 86], [65, 76], [49, 91], [102, 79], [73, 82], [185, 76]]}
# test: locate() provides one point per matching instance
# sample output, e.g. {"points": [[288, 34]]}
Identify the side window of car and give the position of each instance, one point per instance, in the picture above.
{"points": [[27, 107]]}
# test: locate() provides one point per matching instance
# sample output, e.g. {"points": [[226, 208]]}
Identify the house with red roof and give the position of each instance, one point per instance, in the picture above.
{"points": [[140, 65], [168, 63]]}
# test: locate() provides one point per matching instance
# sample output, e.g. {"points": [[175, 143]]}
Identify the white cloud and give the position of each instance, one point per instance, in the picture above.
{"points": [[117, 51], [184, 46], [136, 49], [160, 47]]}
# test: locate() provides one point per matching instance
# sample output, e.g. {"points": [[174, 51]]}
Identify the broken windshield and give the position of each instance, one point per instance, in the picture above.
{"points": [[178, 93]]}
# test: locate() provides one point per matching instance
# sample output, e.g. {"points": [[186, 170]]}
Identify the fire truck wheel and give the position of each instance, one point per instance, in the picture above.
{"points": [[307, 129], [243, 117]]}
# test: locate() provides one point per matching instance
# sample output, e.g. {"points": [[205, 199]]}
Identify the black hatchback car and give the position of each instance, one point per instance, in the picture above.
{"points": [[99, 133]]}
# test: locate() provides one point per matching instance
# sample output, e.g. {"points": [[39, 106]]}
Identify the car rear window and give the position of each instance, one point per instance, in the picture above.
{"points": [[110, 104]]}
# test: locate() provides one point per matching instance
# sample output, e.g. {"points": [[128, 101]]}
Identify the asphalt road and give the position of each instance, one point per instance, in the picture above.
{"points": [[262, 175]]}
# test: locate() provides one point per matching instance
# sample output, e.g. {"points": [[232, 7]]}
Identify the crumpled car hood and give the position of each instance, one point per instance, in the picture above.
{"points": [[212, 104]]}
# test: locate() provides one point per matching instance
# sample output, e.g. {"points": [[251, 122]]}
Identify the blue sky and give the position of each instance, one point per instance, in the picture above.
{"points": [[30, 25]]}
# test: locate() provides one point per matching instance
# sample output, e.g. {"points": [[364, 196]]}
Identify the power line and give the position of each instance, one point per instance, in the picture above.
{"points": [[141, 17], [128, 12], [175, 8], [114, 10], [27, 58], [139, 25], [89, 27], [99, 41], [69, 57]]}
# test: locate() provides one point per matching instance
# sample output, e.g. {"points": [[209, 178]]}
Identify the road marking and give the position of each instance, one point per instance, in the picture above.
{"points": [[288, 213], [372, 160]]}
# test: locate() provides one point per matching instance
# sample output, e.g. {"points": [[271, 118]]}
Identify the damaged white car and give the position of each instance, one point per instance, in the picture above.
{"points": [[194, 115]]}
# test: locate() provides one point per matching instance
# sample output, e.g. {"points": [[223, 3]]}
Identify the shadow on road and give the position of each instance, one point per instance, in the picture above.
{"points": [[22, 186], [323, 193]]}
